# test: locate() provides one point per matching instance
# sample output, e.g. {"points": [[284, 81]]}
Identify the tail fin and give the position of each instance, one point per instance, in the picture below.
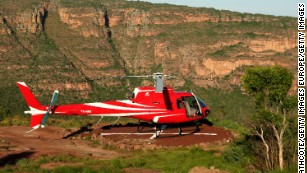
{"points": [[28, 95], [36, 109]]}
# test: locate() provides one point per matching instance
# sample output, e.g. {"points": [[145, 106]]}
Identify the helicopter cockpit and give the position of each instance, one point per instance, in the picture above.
{"points": [[192, 106]]}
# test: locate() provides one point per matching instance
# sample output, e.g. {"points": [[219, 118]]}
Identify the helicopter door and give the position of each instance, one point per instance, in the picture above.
{"points": [[191, 106], [197, 105], [187, 108]]}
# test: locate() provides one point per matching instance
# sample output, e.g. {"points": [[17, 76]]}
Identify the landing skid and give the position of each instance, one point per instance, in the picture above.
{"points": [[116, 121], [138, 128], [196, 129], [159, 130], [179, 131], [99, 120]]}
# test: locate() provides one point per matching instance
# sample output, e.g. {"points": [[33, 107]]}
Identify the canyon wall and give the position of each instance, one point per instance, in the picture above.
{"points": [[103, 39]]}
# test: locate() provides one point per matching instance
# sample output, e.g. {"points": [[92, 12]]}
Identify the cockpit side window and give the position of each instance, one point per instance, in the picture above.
{"points": [[179, 103], [191, 106], [191, 100]]}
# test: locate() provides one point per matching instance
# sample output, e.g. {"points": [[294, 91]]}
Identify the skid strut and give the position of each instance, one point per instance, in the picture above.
{"points": [[179, 131]]}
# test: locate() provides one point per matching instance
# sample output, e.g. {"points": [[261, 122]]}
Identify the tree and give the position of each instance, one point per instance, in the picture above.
{"points": [[4, 112], [270, 86]]}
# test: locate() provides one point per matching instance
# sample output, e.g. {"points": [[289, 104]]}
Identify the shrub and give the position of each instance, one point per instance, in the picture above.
{"points": [[4, 112]]}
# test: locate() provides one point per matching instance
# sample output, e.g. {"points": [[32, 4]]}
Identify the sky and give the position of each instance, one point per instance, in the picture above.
{"points": [[271, 7]]}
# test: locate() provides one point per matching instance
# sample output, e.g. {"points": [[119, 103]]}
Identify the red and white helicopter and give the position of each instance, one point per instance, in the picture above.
{"points": [[158, 104]]}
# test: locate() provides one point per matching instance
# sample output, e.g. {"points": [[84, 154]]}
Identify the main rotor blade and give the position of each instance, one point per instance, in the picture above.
{"points": [[54, 97], [154, 76], [137, 76]]}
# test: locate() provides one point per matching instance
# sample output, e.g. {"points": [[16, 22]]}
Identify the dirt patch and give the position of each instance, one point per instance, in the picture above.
{"points": [[127, 137], [17, 144], [200, 169]]}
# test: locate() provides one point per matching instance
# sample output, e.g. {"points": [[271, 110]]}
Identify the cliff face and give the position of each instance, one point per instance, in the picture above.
{"points": [[83, 20], [27, 21], [197, 43], [66, 44]]}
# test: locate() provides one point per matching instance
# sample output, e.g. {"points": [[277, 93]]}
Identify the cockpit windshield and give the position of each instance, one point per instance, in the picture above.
{"points": [[201, 102]]}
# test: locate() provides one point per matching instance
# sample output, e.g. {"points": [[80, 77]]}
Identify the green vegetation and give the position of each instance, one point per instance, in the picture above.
{"points": [[165, 161], [275, 118], [11, 100], [19, 120], [229, 108], [223, 53], [80, 3], [10, 7], [251, 35], [4, 112]]}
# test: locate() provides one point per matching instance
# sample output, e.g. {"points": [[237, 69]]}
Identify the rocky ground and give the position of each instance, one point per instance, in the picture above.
{"points": [[16, 143]]}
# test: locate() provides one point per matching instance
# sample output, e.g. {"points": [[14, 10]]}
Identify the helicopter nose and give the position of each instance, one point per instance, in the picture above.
{"points": [[207, 112]]}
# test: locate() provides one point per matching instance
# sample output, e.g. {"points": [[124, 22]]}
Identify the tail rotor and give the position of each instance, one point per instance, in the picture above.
{"points": [[49, 110], [39, 113]]}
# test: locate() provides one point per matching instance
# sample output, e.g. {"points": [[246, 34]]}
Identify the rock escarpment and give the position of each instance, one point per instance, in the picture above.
{"points": [[83, 40]]}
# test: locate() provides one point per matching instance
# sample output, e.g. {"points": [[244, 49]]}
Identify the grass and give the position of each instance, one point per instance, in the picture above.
{"points": [[20, 6], [250, 35], [178, 160], [80, 3], [174, 160], [225, 51], [233, 159]]}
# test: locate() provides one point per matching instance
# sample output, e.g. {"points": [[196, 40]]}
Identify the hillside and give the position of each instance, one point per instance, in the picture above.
{"points": [[64, 44]]}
